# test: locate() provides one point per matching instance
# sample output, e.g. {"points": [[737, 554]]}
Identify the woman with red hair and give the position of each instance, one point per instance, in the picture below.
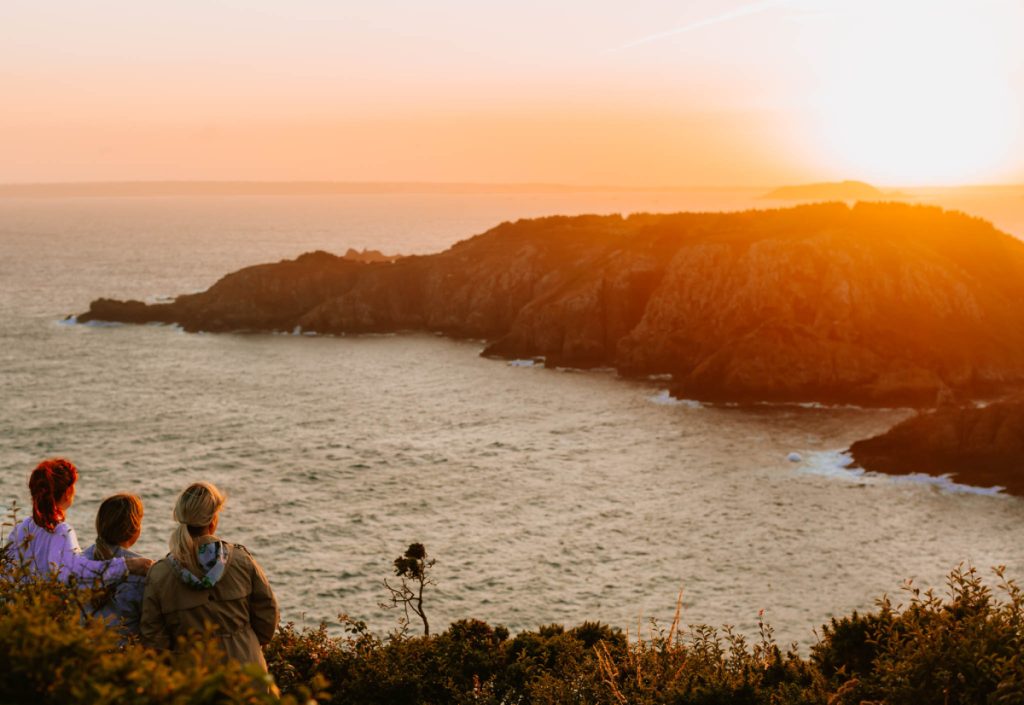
{"points": [[44, 544]]}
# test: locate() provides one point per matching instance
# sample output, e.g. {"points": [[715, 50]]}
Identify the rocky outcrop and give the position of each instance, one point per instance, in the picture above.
{"points": [[879, 304], [978, 446]]}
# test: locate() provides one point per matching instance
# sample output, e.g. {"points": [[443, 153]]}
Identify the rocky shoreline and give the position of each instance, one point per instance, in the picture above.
{"points": [[978, 446]]}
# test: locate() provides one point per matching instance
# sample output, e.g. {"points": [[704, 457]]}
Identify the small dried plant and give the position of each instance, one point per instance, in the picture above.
{"points": [[413, 571]]}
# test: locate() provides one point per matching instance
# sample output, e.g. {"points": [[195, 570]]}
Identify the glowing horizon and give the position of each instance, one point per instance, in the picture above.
{"points": [[720, 93]]}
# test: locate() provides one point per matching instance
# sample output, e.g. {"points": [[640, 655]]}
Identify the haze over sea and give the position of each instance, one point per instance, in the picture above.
{"points": [[546, 495]]}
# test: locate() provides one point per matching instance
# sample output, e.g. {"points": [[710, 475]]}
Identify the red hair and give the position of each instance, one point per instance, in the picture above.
{"points": [[49, 483]]}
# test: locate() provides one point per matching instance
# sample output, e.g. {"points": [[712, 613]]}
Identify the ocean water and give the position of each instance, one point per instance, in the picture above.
{"points": [[545, 495]]}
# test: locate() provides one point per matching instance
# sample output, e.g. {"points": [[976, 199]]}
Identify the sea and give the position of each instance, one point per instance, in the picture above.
{"points": [[544, 495]]}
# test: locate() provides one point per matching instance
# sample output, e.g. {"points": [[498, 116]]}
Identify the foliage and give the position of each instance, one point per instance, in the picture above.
{"points": [[963, 647], [52, 655]]}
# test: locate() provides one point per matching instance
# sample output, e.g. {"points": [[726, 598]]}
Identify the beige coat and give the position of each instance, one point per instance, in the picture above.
{"points": [[240, 608]]}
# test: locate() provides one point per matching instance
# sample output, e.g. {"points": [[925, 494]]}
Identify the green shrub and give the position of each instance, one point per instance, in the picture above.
{"points": [[964, 647], [52, 655]]}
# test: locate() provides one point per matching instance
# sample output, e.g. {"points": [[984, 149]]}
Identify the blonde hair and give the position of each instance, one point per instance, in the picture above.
{"points": [[118, 519], [195, 510]]}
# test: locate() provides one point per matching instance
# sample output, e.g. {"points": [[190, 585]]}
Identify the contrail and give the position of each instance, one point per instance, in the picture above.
{"points": [[742, 11]]}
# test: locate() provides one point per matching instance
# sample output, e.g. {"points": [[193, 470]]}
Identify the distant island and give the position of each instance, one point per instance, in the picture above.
{"points": [[835, 191]]}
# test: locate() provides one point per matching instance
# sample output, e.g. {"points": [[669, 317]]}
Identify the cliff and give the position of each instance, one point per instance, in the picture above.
{"points": [[879, 304], [979, 446]]}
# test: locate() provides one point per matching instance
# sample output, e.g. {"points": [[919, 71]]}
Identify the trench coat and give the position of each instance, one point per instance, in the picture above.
{"points": [[240, 609]]}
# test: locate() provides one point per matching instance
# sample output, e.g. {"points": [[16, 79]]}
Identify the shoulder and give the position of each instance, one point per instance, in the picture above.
{"points": [[160, 572], [28, 525], [89, 552], [239, 555], [124, 553], [23, 527], [242, 559], [243, 553], [66, 531]]}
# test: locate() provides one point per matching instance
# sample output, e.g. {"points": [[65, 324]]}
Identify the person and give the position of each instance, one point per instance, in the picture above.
{"points": [[208, 586], [45, 545], [118, 527]]}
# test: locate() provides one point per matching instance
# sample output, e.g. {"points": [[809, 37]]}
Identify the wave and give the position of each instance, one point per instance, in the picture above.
{"points": [[527, 362], [837, 464], [96, 324], [665, 398]]}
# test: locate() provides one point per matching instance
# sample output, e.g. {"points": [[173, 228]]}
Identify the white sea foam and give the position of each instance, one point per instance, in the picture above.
{"points": [[832, 407], [103, 324], [534, 362], [833, 464], [69, 321], [666, 399], [837, 464], [946, 484]]}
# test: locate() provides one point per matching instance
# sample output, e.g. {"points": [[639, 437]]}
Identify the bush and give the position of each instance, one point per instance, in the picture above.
{"points": [[965, 647], [52, 655]]}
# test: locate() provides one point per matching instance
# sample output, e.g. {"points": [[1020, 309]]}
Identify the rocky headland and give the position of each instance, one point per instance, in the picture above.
{"points": [[979, 446], [879, 304]]}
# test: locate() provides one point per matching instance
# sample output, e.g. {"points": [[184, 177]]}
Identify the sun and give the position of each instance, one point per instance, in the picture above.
{"points": [[920, 93]]}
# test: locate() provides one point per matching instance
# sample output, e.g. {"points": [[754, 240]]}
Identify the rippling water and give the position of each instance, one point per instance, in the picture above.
{"points": [[547, 496]]}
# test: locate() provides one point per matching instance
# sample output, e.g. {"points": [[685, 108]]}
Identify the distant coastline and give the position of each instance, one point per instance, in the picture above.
{"points": [[833, 191]]}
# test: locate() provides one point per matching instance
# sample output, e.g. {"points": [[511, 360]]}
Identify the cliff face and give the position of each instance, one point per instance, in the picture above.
{"points": [[879, 304], [983, 447]]}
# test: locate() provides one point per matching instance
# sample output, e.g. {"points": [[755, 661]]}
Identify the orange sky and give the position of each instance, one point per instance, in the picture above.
{"points": [[711, 92]]}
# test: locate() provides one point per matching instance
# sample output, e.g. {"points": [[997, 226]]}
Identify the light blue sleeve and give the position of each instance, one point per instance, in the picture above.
{"points": [[128, 603]]}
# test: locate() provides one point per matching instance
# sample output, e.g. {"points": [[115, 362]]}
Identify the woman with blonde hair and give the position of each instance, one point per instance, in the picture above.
{"points": [[207, 586], [118, 527]]}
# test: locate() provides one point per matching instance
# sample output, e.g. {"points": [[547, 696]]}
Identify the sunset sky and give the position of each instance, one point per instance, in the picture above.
{"points": [[700, 92]]}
